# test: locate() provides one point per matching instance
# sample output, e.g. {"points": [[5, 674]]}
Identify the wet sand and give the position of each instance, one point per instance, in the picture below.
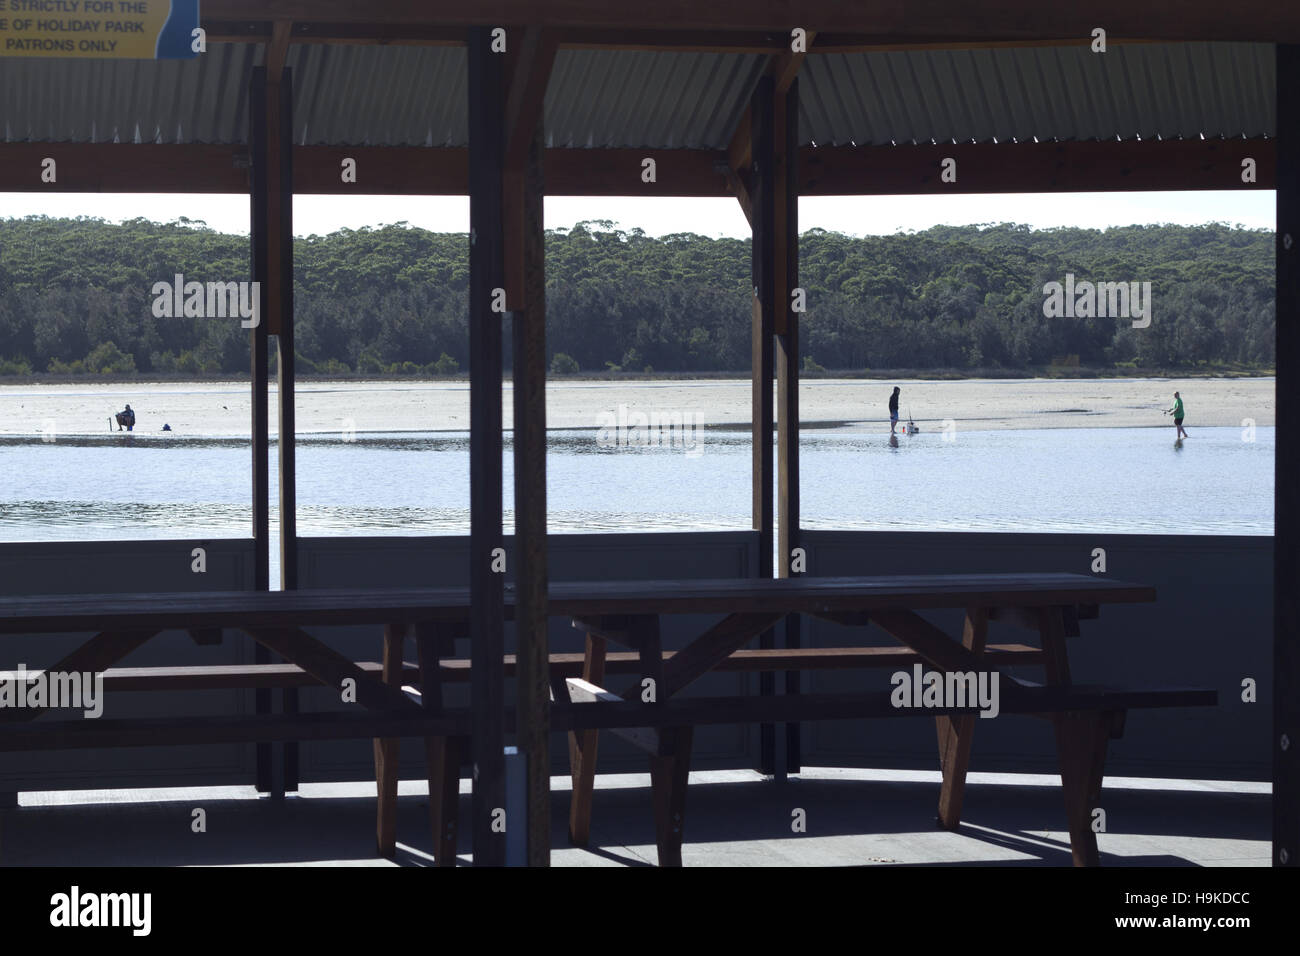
{"points": [[220, 410]]}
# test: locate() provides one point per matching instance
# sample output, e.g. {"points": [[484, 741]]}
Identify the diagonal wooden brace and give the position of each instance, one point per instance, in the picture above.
{"points": [[933, 644], [95, 656], [332, 668], [710, 648]]}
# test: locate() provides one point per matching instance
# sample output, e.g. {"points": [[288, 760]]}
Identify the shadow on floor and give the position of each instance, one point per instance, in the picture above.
{"points": [[749, 816]]}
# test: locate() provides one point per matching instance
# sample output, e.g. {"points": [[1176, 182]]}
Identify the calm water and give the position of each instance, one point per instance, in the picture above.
{"points": [[1105, 479]]}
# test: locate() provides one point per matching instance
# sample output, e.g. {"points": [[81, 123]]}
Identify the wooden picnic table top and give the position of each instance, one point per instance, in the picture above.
{"points": [[51, 613], [811, 595]]}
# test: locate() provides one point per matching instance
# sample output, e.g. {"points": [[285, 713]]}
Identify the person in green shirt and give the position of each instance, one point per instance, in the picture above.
{"points": [[1177, 411]]}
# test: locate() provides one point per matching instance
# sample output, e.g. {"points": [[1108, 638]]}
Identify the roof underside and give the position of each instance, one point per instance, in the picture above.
{"points": [[371, 95]]}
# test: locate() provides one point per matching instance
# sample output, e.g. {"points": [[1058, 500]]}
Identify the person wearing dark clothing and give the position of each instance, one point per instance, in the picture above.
{"points": [[126, 418], [893, 409]]}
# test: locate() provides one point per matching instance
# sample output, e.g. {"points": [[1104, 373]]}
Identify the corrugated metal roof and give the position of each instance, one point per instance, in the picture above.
{"points": [[1145, 90], [204, 100], [635, 98], [356, 94]]}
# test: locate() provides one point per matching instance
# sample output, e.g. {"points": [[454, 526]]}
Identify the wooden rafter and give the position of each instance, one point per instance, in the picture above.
{"points": [[277, 50], [1263, 21], [783, 67], [1150, 166]]}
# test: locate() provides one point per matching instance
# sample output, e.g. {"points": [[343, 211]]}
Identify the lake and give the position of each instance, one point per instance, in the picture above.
{"points": [[1133, 480]]}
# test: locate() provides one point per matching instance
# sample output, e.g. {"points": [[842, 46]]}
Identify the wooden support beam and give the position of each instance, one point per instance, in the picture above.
{"points": [[983, 168], [94, 656], [316, 32], [959, 21], [786, 359], [763, 195], [784, 67], [529, 71], [531, 574], [279, 322], [1285, 739], [487, 586], [651, 40], [931, 643], [260, 241], [331, 668], [277, 50], [740, 162], [1132, 165], [280, 319], [706, 651], [740, 152]]}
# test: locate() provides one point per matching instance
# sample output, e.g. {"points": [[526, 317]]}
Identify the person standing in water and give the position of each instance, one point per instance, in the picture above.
{"points": [[1177, 411], [893, 409]]}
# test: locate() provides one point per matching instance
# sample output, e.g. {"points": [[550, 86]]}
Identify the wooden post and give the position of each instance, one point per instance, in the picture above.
{"points": [[762, 198], [487, 586], [279, 282], [957, 733], [258, 246], [441, 754], [1286, 542], [533, 673], [387, 749], [583, 747], [787, 377]]}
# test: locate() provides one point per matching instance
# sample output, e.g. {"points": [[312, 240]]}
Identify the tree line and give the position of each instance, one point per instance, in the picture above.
{"points": [[75, 298]]}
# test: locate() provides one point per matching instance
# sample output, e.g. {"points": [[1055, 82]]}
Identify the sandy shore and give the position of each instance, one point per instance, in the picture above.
{"points": [[223, 409]]}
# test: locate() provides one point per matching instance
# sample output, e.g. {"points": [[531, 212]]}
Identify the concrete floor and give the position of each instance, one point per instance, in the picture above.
{"points": [[734, 818]]}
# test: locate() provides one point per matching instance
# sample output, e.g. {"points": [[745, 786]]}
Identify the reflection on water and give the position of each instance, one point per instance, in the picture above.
{"points": [[1096, 480]]}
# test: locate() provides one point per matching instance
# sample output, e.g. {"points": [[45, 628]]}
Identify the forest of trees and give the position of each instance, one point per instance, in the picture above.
{"points": [[75, 298]]}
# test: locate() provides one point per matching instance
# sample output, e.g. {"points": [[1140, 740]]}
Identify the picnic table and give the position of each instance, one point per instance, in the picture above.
{"points": [[625, 613]]}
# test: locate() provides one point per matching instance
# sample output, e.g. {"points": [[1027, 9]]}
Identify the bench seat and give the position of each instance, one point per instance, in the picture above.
{"points": [[259, 676]]}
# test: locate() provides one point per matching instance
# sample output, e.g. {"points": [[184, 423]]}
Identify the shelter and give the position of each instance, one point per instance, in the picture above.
{"points": [[522, 98]]}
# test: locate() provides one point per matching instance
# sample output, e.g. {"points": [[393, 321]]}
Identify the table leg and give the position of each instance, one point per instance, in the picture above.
{"points": [[668, 776], [386, 749], [1051, 632], [1080, 744], [956, 733], [442, 754], [582, 751], [1081, 739]]}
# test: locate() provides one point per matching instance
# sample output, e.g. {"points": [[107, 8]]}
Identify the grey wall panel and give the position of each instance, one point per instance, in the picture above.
{"points": [[424, 562], [1209, 627], [92, 567]]}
